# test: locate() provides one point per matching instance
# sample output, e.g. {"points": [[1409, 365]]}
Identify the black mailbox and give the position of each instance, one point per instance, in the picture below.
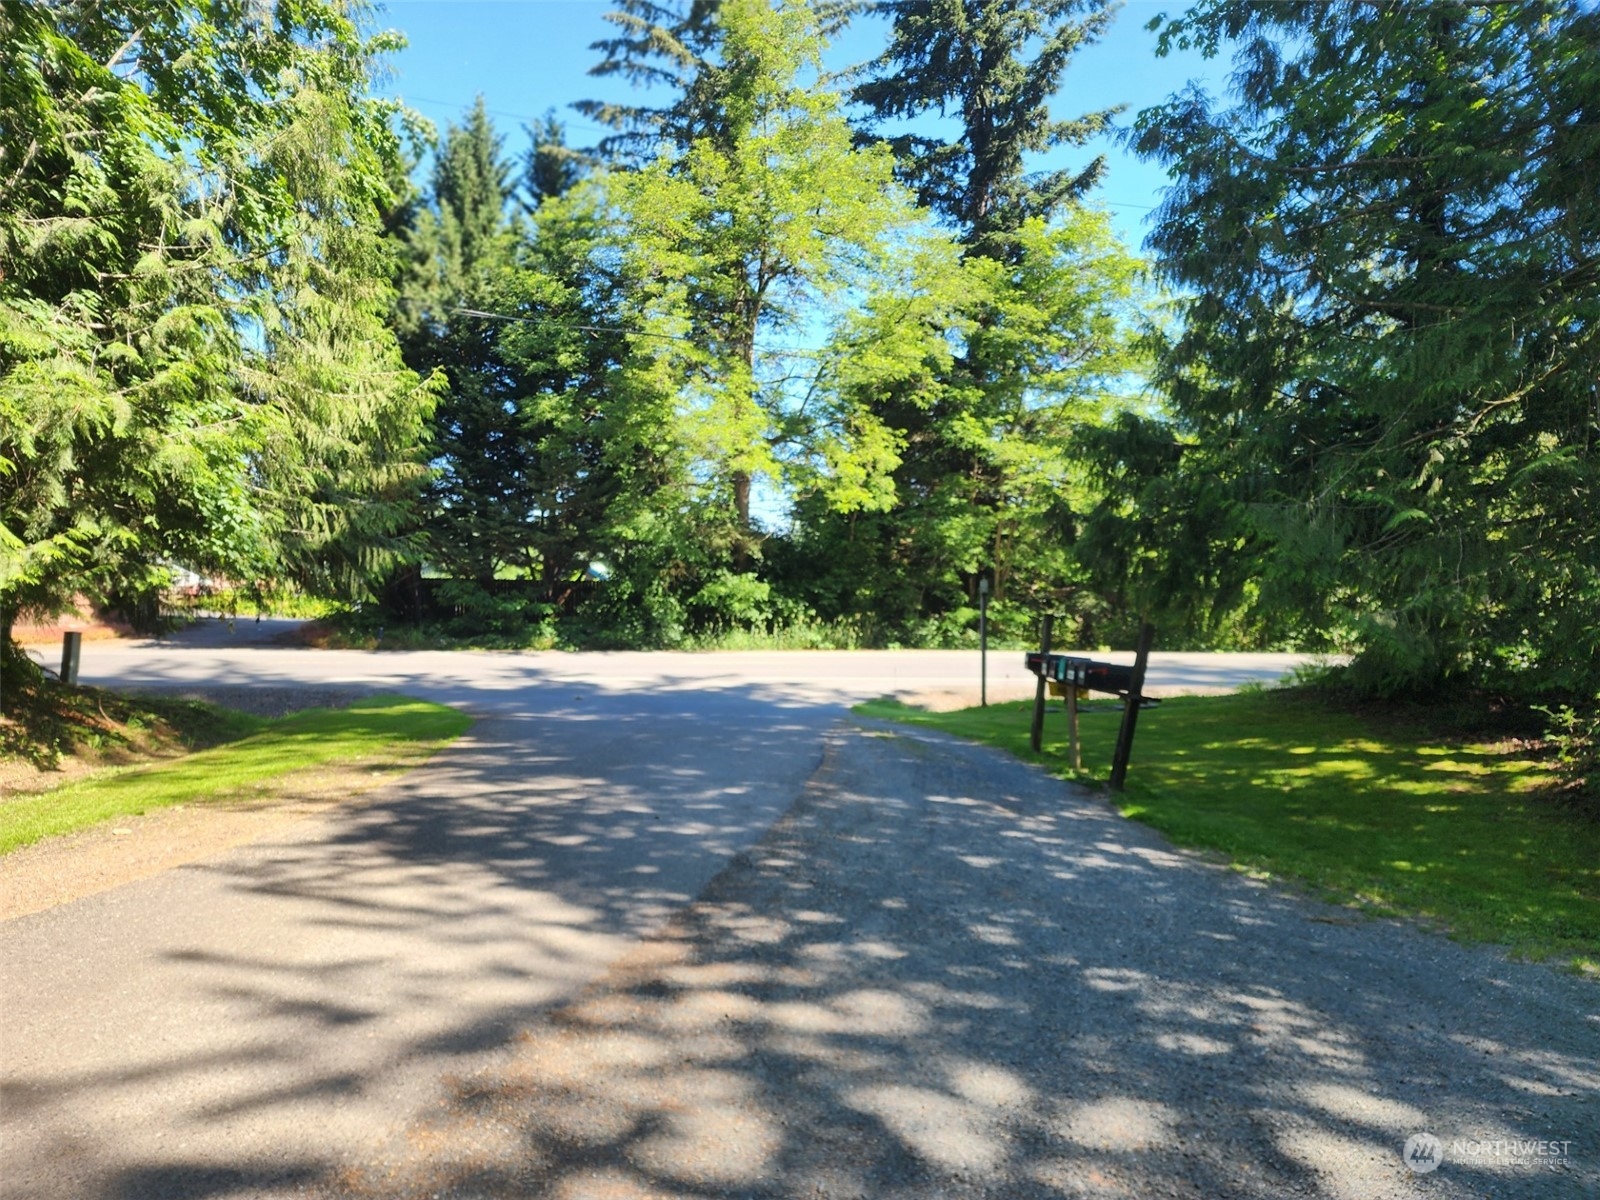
{"points": [[1060, 668], [1076, 672], [1109, 677]]}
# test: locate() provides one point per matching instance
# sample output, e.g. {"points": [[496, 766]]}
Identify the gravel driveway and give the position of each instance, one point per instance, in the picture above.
{"points": [[574, 957], [943, 974]]}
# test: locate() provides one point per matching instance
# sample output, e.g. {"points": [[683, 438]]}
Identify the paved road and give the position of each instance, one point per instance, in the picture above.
{"points": [[245, 653], [250, 1023], [942, 975]]}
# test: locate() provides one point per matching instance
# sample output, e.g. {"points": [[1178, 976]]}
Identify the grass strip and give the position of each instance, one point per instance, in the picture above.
{"points": [[379, 731], [1386, 817], [43, 723]]}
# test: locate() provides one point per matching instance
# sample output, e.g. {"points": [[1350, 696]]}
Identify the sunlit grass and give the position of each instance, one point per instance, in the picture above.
{"points": [[1465, 835], [378, 732]]}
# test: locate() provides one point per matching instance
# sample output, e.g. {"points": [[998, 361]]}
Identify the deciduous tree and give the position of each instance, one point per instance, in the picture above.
{"points": [[750, 232], [986, 483]]}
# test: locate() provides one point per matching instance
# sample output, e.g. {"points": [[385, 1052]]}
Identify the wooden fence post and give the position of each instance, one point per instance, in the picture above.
{"points": [[1130, 711], [1037, 734], [1072, 727]]}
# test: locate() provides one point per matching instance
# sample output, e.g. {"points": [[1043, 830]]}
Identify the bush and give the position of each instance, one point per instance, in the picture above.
{"points": [[1575, 734], [627, 613], [511, 611], [729, 601]]}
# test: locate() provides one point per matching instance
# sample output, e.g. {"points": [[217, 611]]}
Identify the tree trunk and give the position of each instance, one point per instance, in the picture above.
{"points": [[741, 506]]}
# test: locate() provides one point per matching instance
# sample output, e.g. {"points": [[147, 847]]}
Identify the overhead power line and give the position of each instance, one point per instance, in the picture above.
{"points": [[580, 327]]}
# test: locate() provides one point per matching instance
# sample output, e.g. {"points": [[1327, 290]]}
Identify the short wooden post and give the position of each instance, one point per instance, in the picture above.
{"points": [[71, 650], [1072, 726], [1130, 712], [1036, 737]]}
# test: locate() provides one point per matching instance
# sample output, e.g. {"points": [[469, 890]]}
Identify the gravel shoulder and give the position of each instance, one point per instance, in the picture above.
{"points": [[944, 974], [62, 869]]}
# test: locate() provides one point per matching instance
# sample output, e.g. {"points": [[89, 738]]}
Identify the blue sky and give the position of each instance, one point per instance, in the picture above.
{"points": [[528, 56]]}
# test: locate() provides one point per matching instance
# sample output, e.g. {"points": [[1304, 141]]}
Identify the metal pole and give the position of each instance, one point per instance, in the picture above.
{"points": [[983, 642], [71, 649]]}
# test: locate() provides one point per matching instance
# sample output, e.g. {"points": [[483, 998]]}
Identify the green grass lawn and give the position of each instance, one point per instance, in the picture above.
{"points": [[1385, 817], [379, 732]]}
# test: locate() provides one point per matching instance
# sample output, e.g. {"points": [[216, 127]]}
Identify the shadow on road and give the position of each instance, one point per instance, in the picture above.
{"points": [[938, 975], [290, 1002], [935, 978]]}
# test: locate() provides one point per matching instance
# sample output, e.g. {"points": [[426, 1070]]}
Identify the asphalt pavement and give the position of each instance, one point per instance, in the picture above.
{"points": [[943, 975], [277, 1019]]}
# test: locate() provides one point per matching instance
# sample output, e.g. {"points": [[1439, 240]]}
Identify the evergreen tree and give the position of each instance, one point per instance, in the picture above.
{"points": [[193, 363], [460, 246], [669, 48], [674, 49], [1391, 249], [995, 65], [602, 466], [550, 167], [541, 441]]}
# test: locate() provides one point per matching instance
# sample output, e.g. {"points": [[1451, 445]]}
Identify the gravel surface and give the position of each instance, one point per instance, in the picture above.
{"points": [[943, 974]]}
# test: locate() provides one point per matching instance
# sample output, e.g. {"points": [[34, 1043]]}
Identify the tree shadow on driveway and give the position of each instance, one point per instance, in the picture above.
{"points": [[941, 975], [275, 1011]]}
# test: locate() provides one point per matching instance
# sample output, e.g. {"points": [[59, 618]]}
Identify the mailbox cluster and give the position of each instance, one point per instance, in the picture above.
{"points": [[1083, 673], [1071, 677]]}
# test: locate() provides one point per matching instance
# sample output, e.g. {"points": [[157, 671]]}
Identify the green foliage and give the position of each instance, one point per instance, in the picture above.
{"points": [[1575, 733], [550, 167], [727, 600], [976, 378], [1392, 361], [193, 364], [1164, 539], [638, 391], [995, 65], [768, 217], [549, 442], [481, 609], [977, 369], [457, 245], [664, 46], [264, 599], [1370, 812]]}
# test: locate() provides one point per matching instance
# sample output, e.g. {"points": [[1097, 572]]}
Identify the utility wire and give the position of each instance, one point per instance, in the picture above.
{"points": [[550, 322]]}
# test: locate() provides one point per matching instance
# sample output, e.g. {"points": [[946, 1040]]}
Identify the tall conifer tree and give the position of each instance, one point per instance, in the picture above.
{"points": [[193, 283], [1390, 249], [460, 248], [995, 66]]}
